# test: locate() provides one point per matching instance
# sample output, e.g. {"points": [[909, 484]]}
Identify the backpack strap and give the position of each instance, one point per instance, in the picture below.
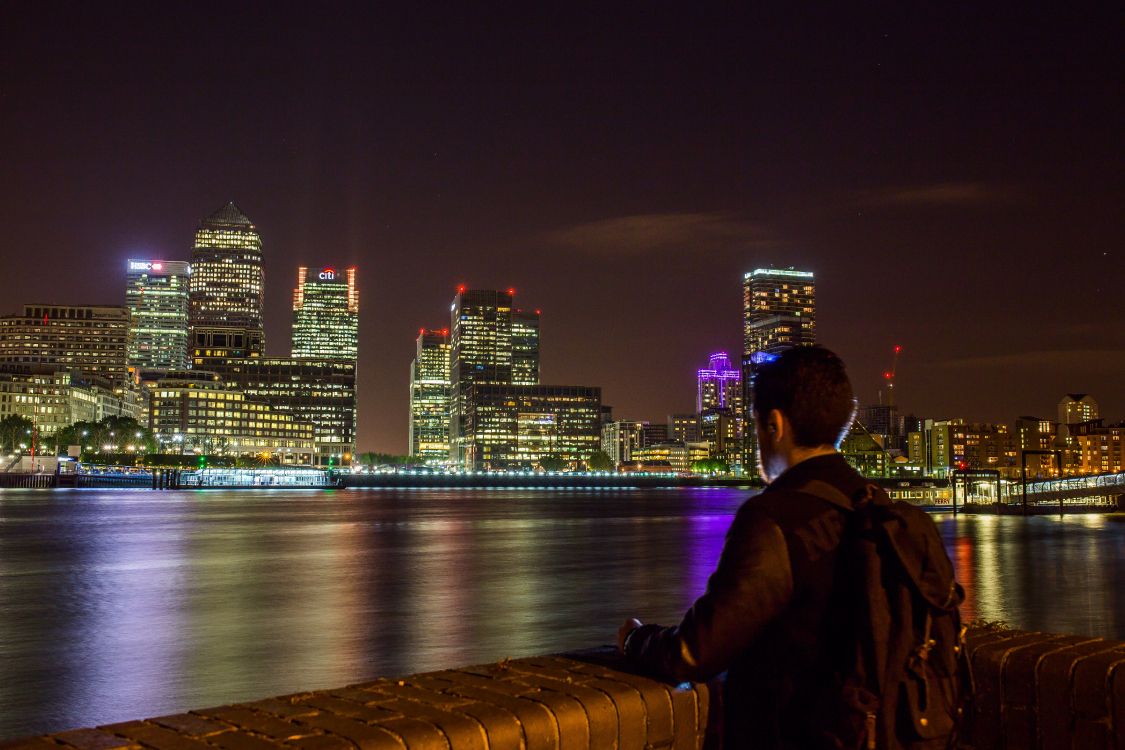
{"points": [[829, 493]]}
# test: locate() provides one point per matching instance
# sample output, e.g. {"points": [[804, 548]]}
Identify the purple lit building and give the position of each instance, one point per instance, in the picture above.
{"points": [[719, 385]]}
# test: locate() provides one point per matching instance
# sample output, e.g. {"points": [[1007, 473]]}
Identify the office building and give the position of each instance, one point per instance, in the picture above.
{"points": [[321, 392], [92, 338], [621, 439], [195, 411], [227, 287], [156, 293], [684, 427], [515, 426], [778, 310], [673, 456], [525, 347], [326, 314], [429, 396], [883, 420], [721, 429]]}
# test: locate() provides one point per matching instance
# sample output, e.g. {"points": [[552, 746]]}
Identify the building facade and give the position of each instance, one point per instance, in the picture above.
{"points": [[197, 412], [227, 284], [525, 347], [91, 338], [516, 426], [429, 396], [1075, 408], [321, 392], [621, 439], [326, 314], [156, 293], [684, 427], [719, 385], [778, 310], [1100, 450], [53, 398]]}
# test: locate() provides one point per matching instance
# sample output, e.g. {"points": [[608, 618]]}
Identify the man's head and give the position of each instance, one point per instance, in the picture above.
{"points": [[803, 406]]}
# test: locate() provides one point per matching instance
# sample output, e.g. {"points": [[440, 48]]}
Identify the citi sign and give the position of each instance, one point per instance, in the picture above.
{"points": [[327, 274]]}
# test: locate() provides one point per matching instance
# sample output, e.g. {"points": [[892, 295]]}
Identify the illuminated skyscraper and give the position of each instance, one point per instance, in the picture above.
{"points": [[429, 396], [156, 293], [525, 347], [226, 287], [778, 310], [326, 314], [719, 385]]}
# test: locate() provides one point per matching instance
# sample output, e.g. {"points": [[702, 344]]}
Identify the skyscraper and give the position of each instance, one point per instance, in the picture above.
{"points": [[326, 314], [778, 310], [156, 293], [226, 287], [525, 347], [719, 385], [480, 352], [429, 396]]}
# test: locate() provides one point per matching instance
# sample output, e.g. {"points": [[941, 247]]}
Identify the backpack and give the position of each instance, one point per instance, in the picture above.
{"points": [[901, 675]]}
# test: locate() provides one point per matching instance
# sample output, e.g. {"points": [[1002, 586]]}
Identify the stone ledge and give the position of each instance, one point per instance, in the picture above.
{"points": [[1033, 690]]}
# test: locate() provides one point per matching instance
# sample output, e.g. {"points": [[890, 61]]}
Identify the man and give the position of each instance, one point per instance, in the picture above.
{"points": [[768, 615]]}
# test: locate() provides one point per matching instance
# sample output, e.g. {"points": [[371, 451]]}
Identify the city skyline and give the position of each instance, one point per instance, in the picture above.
{"points": [[627, 197]]}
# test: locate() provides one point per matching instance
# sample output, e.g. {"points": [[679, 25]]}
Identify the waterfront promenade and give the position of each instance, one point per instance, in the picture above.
{"points": [[1032, 690]]}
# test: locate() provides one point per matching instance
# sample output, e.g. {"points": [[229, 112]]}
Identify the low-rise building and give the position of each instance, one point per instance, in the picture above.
{"points": [[53, 398]]}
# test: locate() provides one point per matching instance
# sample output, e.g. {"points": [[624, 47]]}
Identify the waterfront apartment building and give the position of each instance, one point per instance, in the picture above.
{"points": [[1075, 408], [778, 310], [194, 411], [326, 314], [684, 427], [621, 439], [721, 429], [515, 426], [1035, 438], [429, 396], [53, 398], [1100, 449], [227, 286], [952, 444], [91, 338], [321, 392], [156, 293]]}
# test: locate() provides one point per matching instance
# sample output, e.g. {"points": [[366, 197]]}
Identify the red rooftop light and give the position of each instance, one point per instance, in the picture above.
{"points": [[512, 291]]}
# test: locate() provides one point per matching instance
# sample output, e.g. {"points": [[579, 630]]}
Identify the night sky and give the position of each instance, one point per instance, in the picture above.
{"points": [[954, 176]]}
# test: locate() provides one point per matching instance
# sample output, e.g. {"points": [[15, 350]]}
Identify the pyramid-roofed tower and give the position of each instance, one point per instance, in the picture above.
{"points": [[229, 215]]}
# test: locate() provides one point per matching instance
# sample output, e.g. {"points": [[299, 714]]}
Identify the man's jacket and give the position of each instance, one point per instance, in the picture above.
{"points": [[768, 613]]}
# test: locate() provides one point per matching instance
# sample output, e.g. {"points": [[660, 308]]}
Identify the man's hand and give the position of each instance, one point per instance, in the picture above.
{"points": [[623, 632]]}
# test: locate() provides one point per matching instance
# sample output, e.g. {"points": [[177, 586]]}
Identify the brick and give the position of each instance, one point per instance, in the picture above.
{"points": [[573, 726], [540, 730], [600, 712], [632, 732], [1019, 714], [92, 739], [285, 709], [243, 741], [658, 707], [468, 731], [321, 742], [416, 734], [1053, 692], [988, 661], [156, 736], [363, 736], [684, 720], [351, 709], [501, 727], [1091, 697], [256, 721], [420, 694], [191, 724], [30, 743]]}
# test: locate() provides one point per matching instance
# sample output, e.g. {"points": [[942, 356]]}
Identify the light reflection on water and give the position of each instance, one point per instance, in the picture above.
{"points": [[121, 604]]}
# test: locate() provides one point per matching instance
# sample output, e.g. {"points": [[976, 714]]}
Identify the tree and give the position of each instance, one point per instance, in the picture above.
{"points": [[710, 466], [600, 461], [552, 463], [14, 430]]}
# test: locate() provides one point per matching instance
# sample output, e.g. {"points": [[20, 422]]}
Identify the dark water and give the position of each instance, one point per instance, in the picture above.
{"points": [[122, 604]]}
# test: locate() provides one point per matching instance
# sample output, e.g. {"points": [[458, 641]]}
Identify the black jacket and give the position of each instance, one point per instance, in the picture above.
{"points": [[767, 615]]}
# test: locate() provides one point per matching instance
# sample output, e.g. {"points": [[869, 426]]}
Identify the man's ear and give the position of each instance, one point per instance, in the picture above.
{"points": [[775, 424]]}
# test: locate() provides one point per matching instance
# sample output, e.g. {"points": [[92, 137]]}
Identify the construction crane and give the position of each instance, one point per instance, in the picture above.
{"points": [[889, 376]]}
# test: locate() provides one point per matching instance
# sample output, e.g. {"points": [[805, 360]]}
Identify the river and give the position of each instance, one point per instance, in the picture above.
{"points": [[121, 604]]}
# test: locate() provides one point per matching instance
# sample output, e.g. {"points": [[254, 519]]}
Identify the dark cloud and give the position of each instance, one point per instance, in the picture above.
{"points": [[641, 233], [1095, 361], [939, 194]]}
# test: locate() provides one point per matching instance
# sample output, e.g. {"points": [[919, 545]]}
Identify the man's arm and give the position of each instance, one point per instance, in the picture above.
{"points": [[751, 586]]}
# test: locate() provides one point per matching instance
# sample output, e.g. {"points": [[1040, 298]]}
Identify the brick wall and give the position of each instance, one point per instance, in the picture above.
{"points": [[1033, 690]]}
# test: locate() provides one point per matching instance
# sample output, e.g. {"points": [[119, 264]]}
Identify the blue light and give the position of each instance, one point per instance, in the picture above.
{"points": [[761, 358]]}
